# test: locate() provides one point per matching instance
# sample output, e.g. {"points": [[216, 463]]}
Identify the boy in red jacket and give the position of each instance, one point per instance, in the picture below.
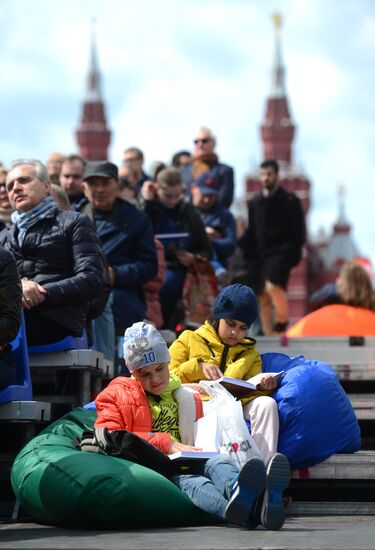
{"points": [[148, 404]]}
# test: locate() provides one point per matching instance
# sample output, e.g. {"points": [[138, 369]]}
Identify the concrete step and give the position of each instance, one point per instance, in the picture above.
{"points": [[363, 405], [328, 508], [356, 466]]}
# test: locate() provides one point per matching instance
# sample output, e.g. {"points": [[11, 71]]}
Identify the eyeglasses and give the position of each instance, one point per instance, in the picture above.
{"points": [[203, 141]]}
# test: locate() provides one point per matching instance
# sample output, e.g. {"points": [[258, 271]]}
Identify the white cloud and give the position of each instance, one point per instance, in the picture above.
{"points": [[170, 66]]}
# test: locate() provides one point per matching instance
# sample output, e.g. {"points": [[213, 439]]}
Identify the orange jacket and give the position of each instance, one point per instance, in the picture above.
{"points": [[123, 405]]}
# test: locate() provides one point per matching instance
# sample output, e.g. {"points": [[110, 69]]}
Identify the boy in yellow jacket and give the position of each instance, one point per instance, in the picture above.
{"points": [[220, 347]]}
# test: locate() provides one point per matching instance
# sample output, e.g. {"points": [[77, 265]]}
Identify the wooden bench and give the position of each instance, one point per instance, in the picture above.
{"points": [[353, 360]]}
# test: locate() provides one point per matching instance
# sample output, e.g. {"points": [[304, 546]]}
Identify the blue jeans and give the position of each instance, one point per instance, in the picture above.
{"points": [[210, 484]]}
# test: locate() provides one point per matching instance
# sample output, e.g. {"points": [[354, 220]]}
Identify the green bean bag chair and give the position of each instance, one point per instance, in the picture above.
{"points": [[57, 483]]}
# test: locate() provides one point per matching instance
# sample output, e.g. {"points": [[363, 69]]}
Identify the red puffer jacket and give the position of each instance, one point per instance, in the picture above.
{"points": [[123, 405]]}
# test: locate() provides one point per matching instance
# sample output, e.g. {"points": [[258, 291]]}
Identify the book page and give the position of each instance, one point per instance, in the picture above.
{"points": [[240, 388], [255, 380], [195, 455]]}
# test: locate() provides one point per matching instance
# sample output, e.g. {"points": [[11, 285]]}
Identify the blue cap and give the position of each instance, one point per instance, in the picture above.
{"points": [[208, 184]]}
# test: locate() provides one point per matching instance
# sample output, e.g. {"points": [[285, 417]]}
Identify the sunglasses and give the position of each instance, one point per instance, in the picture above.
{"points": [[203, 140]]}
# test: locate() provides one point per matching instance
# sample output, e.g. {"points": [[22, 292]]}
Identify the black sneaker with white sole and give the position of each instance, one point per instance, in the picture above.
{"points": [[250, 485], [272, 515]]}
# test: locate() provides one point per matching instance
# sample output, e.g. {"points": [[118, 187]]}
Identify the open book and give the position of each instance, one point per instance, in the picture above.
{"points": [[173, 242], [192, 455], [240, 388]]}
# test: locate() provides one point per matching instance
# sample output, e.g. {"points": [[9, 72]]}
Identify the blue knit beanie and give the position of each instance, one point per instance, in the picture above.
{"points": [[236, 302]]}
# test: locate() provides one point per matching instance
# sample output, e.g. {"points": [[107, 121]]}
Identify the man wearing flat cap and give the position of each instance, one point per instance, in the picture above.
{"points": [[127, 241]]}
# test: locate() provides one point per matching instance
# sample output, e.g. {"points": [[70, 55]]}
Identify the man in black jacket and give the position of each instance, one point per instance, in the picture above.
{"points": [[127, 240], [272, 246], [57, 253]]}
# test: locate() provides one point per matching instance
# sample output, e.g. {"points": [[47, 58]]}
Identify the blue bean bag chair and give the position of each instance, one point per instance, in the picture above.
{"points": [[59, 484], [316, 416]]}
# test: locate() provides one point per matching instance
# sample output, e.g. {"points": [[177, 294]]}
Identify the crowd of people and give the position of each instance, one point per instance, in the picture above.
{"points": [[128, 258], [90, 246]]}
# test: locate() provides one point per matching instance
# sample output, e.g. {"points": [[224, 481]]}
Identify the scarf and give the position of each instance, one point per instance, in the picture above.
{"points": [[204, 163], [25, 220]]}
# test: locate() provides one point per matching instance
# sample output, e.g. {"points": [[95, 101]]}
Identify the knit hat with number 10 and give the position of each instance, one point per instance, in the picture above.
{"points": [[144, 346]]}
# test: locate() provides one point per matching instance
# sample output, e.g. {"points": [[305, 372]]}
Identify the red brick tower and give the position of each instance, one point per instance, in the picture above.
{"points": [[277, 134], [93, 135]]}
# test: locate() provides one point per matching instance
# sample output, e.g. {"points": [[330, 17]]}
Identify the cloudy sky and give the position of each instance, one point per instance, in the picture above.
{"points": [[170, 66]]}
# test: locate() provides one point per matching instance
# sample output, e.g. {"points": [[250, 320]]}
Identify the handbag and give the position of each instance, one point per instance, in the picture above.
{"points": [[228, 423], [199, 292]]}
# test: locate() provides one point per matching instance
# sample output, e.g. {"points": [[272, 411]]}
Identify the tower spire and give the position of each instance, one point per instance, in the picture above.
{"points": [[278, 130], [93, 135], [342, 225], [93, 76], [278, 84]]}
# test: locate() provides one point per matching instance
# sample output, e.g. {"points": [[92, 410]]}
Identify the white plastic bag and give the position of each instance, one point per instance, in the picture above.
{"points": [[233, 436]]}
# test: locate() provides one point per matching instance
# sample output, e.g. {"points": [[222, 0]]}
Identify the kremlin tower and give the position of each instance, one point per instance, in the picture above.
{"points": [[93, 135], [277, 134], [328, 254]]}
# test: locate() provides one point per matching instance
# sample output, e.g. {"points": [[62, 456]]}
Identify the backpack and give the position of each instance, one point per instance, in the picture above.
{"points": [[126, 445]]}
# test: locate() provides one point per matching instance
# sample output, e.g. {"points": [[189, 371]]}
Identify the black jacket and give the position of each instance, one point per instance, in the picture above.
{"points": [[10, 297], [62, 253], [126, 237], [275, 234], [187, 219]]}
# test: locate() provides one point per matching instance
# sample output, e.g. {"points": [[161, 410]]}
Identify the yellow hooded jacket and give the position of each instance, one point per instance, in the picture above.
{"points": [[191, 347]]}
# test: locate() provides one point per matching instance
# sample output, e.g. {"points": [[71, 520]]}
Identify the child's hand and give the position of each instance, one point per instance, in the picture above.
{"points": [[198, 389], [210, 371], [176, 446], [268, 382]]}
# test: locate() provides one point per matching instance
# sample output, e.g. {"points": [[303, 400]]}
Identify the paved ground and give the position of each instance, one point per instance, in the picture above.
{"points": [[328, 533]]}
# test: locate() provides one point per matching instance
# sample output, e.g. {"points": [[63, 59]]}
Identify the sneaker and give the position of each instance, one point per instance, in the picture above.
{"points": [[250, 485], [277, 480]]}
